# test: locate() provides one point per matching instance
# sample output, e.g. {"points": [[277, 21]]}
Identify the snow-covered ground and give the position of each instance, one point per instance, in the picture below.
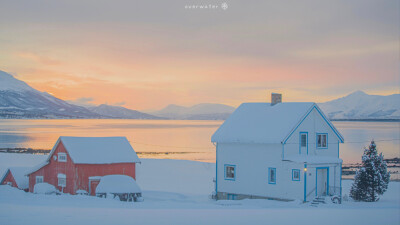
{"points": [[176, 192]]}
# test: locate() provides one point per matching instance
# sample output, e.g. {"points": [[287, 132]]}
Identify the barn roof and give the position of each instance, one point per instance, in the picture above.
{"points": [[19, 176], [98, 150], [263, 123]]}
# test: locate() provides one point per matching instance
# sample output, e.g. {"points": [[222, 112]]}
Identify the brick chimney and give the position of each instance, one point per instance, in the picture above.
{"points": [[276, 98]]}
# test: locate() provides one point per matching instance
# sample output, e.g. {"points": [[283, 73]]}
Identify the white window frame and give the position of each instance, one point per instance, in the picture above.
{"points": [[62, 182], [271, 179], [62, 157], [39, 178], [320, 145], [303, 144], [230, 167], [9, 183], [294, 171]]}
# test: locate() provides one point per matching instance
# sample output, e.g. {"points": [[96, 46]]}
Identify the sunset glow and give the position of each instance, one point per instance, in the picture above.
{"points": [[114, 53]]}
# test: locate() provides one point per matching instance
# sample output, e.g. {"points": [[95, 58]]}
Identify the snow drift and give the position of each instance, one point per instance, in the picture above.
{"points": [[118, 184]]}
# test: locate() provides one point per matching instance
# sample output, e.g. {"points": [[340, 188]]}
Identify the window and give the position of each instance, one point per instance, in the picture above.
{"points": [[322, 140], [295, 175], [272, 175], [9, 183], [39, 179], [230, 172], [62, 157], [62, 180], [303, 140]]}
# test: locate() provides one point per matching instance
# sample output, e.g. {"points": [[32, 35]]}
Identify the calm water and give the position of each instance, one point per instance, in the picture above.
{"points": [[180, 139]]}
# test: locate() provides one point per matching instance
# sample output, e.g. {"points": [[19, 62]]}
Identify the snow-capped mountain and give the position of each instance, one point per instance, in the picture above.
{"points": [[19, 100], [205, 111], [355, 106], [120, 112], [359, 105]]}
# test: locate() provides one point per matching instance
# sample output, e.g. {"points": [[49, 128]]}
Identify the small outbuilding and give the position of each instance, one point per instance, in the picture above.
{"points": [[121, 186], [15, 177]]}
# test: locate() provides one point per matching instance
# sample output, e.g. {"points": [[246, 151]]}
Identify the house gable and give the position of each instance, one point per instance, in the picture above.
{"points": [[312, 126], [323, 116], [8, 177], [53, 167]]}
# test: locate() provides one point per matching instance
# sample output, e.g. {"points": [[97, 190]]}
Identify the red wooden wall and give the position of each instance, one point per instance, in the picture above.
{"points": [[77, 174], [10, 178]]}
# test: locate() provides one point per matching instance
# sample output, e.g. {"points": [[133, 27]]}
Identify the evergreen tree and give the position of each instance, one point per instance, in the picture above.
{"points": [[372, 178]]}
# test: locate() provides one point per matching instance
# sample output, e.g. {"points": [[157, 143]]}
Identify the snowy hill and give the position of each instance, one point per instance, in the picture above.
{"points": [[359, 105], [205, 111], [19, 100], [120, 112]]}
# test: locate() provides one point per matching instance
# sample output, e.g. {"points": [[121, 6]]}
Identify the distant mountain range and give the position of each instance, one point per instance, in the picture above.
{"points": [[361, 106], [121, 112], [19, 100], [205, 111]]}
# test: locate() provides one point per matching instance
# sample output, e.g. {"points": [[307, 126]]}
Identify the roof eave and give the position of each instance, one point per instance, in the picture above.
{"points": [[37, 167], [4, 175]]}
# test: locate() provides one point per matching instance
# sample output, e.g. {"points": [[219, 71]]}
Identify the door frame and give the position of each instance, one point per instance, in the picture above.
{"points": [[327, 179], [90, 184]]}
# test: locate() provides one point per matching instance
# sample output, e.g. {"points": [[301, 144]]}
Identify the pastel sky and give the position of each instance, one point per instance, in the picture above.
{"points": [[148, 54]]}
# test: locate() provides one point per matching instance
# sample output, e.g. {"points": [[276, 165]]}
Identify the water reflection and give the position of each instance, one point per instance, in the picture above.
{"points": [[189, 137]]}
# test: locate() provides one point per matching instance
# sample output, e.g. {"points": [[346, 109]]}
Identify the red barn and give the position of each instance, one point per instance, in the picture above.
{"points": [[15, 177], [78, 163]]}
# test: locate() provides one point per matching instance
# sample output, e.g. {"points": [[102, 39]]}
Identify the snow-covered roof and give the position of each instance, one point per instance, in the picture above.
{"points": [[19, 174], [117, 184], [263, 123], [36, 168], [99, 150], [313, 159], [94, 150]]}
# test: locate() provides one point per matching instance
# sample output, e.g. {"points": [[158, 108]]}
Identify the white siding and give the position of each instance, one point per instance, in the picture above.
{"points": [[252, 161], [251, 176], [313, 124]]}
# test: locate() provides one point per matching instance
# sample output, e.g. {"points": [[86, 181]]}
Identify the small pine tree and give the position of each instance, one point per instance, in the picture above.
{"points": [[372, 178]]}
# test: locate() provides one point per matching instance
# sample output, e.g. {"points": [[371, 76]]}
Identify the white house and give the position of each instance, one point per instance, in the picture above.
{"points": [[283, 151]]}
